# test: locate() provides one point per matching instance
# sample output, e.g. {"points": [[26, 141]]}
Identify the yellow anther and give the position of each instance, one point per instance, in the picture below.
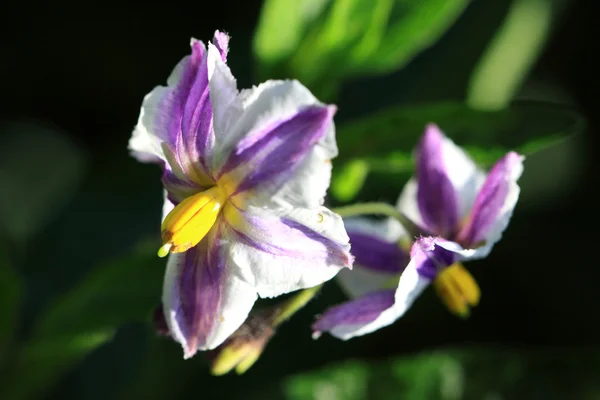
{"points": [[250, 359], [190, 221], [229, 358], [457, 289]]}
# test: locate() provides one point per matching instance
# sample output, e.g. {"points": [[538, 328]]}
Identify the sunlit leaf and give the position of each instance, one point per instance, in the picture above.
{"points": [[122, 291], [322, 42], [39, 170], [281, 27], [348, 182], [504, 65]]}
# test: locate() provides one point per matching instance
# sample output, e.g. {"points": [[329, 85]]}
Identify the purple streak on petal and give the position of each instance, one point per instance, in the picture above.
{"points": [[186, 110], [286, 238], [196, 122], [436, 197], [273, 152], [490, 200], [177, 189], [221, 42], [377, 254], [363, 310], [336, 254], [429, 258], [200, 289]]}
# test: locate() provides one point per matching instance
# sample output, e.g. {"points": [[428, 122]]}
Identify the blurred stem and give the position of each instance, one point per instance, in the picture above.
{"points": [[511, 54], [294, 304], [354, 210]]}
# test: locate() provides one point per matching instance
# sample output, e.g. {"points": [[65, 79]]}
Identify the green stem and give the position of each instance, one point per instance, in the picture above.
{"points": [[294, 304], [354, 210]]}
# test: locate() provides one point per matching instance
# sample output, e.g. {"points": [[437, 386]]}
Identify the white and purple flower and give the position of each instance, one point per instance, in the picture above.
{"points": [[461, 213], [245, 176]]}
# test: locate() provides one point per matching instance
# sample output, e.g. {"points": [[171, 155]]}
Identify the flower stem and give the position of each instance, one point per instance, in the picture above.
{"points": [[378, 209], [294, 304]]}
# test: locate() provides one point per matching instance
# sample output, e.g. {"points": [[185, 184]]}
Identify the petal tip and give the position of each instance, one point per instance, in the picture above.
{"points": [[221, 42], [432, 131]]}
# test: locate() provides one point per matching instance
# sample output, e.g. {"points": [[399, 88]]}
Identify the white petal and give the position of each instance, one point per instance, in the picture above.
{"points": [[231, 306], [502, 220], [167, 206], [410, 286], [145, 142], [148, 134], [388, 229], [277, 257], [226, 103]]}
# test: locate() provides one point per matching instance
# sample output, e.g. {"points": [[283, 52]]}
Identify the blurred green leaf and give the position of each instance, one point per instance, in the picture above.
{"points": [[10, 296], [389, 136], [349, 180], [504, 65], [346, 38], [474, 373], [39, 171], [281, 27], [348, 381], [122, 291]]}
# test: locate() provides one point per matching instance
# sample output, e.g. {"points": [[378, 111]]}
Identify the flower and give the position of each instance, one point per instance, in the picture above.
{"points": [[245, 175], [462, 213]]}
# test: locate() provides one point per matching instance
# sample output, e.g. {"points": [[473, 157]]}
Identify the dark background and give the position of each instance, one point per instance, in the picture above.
{"points": [[83, 68]]}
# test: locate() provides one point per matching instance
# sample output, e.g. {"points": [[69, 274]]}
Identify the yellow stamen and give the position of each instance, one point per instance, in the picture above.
{"points": [[228, 358], [457, 289], [190, 221], [251, 358]]}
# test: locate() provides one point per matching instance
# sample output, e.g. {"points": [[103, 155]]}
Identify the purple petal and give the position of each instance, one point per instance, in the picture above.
{"points": [[436, 197], [272, 153], [376, 254], [491, 199], [221, 42], [193, 295], [429, 257], [181, 115], [355, 312]]}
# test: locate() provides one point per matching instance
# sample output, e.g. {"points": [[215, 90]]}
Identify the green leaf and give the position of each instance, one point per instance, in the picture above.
{"points": [[40, 169], [10, 296], [122, 291], [502, 68], [323, 42], [471, 373], [281, 27], [383, 142], [348, 381], [349, 180]]}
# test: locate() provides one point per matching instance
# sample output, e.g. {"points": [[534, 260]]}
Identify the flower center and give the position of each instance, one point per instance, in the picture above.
{"points": [[191, 220], [457, 289]]}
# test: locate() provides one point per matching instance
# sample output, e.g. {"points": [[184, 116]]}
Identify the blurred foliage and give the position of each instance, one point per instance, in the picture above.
{"points": [[86, 318], [503, 67], [470, 373], [323, 42], [328, 45], [10, 296], [40, 168]]}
